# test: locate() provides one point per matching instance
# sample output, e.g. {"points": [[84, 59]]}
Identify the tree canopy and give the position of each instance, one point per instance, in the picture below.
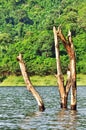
{"points": [[26, 27]]}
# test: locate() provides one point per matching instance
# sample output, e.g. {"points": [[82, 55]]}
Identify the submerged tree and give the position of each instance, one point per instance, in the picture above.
{"points": [[71, 72], [29, 84]]}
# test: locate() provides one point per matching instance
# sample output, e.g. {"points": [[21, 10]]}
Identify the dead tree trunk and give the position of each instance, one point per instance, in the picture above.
{"points": [[71, 80], [29, 84], [59, 73]]}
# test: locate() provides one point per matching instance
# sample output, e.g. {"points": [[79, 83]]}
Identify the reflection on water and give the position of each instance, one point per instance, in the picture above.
{"points": [[68, 119], [19, 110]]}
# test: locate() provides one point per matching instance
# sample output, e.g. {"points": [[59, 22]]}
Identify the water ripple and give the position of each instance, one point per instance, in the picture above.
{"points": [[19, 110]]}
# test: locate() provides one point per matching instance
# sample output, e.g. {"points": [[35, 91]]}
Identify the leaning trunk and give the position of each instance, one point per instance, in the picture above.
{"points": [[29, 84]]}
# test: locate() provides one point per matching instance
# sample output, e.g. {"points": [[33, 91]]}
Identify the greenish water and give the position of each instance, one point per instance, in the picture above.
{"points": [[19, 110]]}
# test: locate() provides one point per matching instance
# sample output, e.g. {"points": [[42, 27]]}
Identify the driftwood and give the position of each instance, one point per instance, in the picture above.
{"points": [[71, 72], [29, 84]]}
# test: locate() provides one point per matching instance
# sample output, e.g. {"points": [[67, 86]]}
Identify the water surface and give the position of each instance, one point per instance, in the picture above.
{"points": [[19, 110]]}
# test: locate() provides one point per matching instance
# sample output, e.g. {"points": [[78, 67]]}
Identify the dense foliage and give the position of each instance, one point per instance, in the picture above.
{"points": [[26, 27]]}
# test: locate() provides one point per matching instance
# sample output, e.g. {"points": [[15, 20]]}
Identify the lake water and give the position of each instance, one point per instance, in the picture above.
{"points": [[19, 110]]}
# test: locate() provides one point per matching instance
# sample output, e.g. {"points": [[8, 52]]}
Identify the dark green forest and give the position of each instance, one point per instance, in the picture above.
{"points": [[26, 26]]}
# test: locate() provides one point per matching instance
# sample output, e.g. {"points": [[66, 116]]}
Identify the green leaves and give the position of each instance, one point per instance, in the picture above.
{"points": [[5, 39], [26, 27]]}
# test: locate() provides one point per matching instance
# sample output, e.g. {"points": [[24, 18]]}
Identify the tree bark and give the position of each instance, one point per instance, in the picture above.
{"points": [[73, 74], [71, 80], [59, 73], [29, 84]]}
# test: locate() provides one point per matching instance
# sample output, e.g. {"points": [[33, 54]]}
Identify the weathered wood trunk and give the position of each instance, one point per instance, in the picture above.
{"points": [[71, 80], [73, 73], [29, 84], [59, 73]]}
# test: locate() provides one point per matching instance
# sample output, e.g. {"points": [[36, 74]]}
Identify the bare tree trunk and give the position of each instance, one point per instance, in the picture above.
{"points": [[68, 82], [71, 80], [73, 74], [59, 73], [29, 84]]}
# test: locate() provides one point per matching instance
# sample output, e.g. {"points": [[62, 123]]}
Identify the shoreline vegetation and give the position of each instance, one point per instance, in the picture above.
{"points": [[40, 80]]}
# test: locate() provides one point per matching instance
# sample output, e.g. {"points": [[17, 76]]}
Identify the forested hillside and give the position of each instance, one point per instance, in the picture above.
{"points": [[26, 26]]}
